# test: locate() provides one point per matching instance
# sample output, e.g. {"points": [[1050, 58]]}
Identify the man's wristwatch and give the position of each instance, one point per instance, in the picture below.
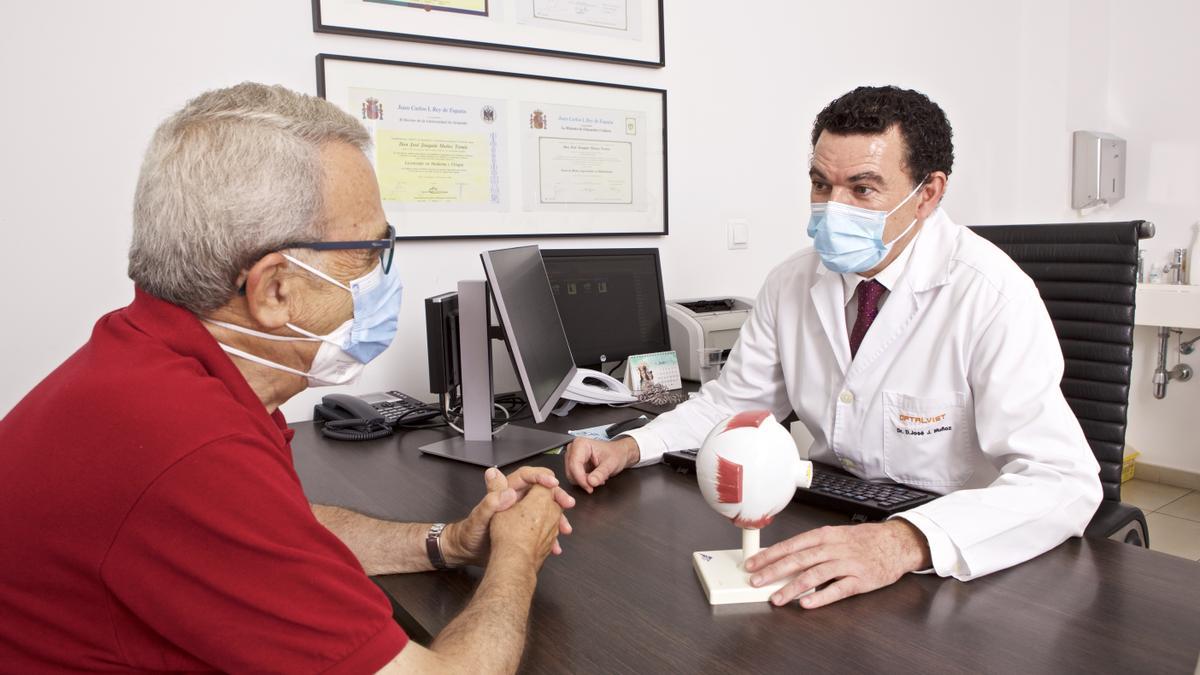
{"points": [[433, 547]]}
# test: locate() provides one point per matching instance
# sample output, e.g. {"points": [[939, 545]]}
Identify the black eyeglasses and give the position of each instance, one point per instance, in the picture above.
{"points": [[387, 247]]}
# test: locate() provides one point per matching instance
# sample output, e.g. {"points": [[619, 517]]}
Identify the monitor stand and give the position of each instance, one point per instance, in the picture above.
{"points": [[478, 445], [513, 444]]}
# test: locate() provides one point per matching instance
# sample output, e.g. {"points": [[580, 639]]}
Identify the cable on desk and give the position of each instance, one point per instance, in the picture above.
{"points": [[502, 403], [616, 365]]}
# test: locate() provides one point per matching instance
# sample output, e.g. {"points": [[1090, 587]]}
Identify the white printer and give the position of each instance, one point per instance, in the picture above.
{"points": [[704, 323]]}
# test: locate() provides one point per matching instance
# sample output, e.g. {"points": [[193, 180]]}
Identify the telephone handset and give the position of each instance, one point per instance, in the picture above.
{"points": [[347, 407], [597, 388], [349, 418], [362, 418]]}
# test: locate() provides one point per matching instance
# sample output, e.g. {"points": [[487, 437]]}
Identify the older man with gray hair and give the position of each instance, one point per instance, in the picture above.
{"points": [[151, 515]]}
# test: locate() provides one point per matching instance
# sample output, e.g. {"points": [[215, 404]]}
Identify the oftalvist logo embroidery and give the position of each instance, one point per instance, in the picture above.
{"points": [[922, 425]]}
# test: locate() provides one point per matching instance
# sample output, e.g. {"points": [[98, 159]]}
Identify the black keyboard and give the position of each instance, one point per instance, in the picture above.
{"points": [[837, 490]]}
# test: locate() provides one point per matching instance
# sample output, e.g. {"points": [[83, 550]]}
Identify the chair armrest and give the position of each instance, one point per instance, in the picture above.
{"points": [[1121, 521]]}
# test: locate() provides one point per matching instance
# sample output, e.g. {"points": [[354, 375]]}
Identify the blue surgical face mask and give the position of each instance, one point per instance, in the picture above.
{"points": [[376, 319], [849, 238], [352, 344]]}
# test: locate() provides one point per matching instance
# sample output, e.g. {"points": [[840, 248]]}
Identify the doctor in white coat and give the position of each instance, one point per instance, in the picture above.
{"points": [[915, 352]]}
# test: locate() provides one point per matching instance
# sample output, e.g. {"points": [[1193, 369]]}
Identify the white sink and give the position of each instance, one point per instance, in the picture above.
{"points": [[1171, 305]]}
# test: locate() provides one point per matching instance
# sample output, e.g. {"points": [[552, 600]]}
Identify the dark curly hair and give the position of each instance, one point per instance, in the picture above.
{"points": [[873, 110]]}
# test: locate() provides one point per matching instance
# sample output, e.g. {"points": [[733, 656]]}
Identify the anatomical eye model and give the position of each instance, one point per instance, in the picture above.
{"points": [[748, 469]]}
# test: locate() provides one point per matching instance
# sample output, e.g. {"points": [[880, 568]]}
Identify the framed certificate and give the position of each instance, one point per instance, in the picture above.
{"points": [[620, 31], [465, 153]]}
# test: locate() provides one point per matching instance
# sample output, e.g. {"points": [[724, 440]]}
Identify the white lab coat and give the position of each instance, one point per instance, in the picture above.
{"points": [[955, 389]]}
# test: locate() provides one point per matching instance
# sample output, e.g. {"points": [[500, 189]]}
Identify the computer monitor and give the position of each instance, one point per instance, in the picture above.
{"points": [[611, 302], [441, 341], [516, 281], [532, 327]]}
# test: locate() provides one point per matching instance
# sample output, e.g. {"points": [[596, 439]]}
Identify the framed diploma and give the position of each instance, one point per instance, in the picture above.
{"points": [[462, 153], [620, 31]]}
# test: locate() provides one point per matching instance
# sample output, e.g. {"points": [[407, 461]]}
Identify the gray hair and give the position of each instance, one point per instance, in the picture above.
{"points": [[232, 176]]}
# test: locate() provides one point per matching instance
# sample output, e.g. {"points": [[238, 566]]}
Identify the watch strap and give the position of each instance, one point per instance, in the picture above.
{"points": [[433, 546]]}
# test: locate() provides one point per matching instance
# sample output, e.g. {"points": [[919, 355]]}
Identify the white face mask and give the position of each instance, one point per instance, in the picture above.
{"points": [[331, 367], [345, 351]]}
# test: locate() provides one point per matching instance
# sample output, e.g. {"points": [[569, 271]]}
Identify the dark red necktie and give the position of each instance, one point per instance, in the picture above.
{"points": [[869, 293]]}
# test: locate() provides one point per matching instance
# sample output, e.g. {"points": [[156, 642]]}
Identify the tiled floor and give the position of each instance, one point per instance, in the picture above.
{"points": [[1172, 514]]}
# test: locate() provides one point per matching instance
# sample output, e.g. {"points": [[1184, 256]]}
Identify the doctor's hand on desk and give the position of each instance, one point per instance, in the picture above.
{"points": [[590, 463], [468, 541], [856, 558]]}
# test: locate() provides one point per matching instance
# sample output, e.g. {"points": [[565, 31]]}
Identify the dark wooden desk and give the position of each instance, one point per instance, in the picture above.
{"points": [[624, 598]]}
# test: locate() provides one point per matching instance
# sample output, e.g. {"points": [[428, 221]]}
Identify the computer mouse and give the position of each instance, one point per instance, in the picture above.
{"points": [[627, 425]]}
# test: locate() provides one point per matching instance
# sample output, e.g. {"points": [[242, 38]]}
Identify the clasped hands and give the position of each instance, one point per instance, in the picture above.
{"points": [[525, 507]]}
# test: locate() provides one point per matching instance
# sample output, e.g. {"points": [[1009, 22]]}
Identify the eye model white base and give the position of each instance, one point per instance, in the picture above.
{"points": [[725, 579]]}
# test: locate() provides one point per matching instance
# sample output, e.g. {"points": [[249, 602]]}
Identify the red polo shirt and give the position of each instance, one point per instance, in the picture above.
{"points": [[151, 519]]}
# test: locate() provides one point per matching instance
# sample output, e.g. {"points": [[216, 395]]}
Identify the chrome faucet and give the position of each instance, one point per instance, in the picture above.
{"points": [[1177, 267]]}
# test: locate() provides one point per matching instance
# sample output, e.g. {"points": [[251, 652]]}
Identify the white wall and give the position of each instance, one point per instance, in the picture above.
{"points": [[87, 82], [1153, 100]]}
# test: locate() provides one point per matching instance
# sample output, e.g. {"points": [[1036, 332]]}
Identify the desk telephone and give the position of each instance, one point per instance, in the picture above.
{"points": [[597, 388], [353, 418]]}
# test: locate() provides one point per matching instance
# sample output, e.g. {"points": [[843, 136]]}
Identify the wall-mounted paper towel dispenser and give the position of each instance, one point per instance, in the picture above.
{"points": [[1098, 173]]}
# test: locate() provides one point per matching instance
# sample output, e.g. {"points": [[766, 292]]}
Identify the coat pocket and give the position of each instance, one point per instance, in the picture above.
{"points": [[926, 439]]}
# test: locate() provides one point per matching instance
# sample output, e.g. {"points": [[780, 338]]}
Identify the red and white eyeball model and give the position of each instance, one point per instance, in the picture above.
{"points": [[748, 468]]}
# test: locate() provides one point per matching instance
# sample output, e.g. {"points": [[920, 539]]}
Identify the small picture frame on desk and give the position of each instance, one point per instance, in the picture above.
{"points": [[662, 368]]}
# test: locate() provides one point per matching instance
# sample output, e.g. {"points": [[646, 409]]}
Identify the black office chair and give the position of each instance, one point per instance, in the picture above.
{"points": [[1086, 274]]}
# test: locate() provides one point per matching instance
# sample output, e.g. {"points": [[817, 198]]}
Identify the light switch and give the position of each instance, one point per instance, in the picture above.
{"points": [[739, 234]]}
